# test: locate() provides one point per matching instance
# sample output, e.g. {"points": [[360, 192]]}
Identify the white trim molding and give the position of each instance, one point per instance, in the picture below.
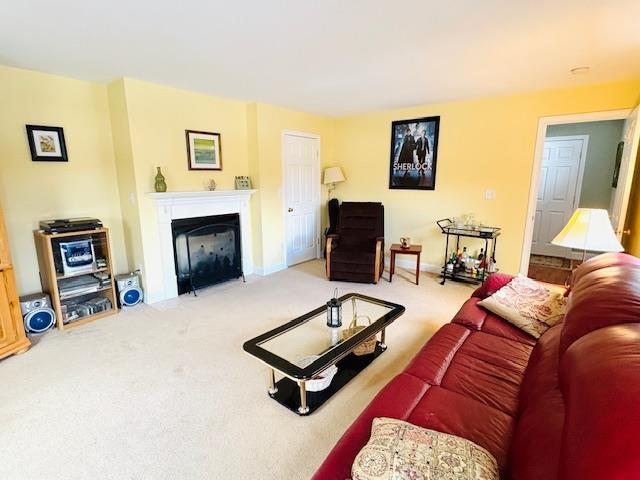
{"points": [[175, 205], [410, 264], [543, 123], [268, 270]]}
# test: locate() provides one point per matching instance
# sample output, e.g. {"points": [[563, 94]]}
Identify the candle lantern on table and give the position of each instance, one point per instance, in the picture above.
{"points": [[334, 311]]}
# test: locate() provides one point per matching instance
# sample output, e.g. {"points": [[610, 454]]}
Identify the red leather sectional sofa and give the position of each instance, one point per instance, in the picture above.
{"points": [[566, 406]]}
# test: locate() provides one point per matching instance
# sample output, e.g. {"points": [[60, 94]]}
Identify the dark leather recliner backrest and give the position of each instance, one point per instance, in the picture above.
{"points": [[334, 208], [360, 223]]}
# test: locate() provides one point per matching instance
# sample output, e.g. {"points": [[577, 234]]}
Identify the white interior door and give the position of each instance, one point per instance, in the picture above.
{"points": [[621, 194], [302, 196], [558, 192]]}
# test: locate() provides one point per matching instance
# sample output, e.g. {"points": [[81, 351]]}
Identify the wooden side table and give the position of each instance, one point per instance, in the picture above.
{"points": [[396, 248]]}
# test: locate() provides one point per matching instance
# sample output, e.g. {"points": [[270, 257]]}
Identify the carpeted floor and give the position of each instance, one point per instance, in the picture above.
{"points": [[166, 391]]}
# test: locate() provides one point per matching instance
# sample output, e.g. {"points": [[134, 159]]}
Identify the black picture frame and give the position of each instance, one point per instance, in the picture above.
{"points": [[417, 173], [194, 162], [616, 167], [37, 146]]}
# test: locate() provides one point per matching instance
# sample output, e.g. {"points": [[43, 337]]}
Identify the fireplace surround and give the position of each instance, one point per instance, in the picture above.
{"points": [[182, 205]]}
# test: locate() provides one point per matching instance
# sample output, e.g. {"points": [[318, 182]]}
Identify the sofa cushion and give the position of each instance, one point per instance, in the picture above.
{"points": [[451, 412], [539, 428], [398, 449], [604, 260], [477, 318], [528, 304], [489, 369], [603, 296], [600, 383], [436, 391], [492, 284], [396, 400]]}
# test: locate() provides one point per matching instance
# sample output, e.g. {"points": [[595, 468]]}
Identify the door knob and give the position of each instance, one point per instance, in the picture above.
{"points": [[290, 209]]}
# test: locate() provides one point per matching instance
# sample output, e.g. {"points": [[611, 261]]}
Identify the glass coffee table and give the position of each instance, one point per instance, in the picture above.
{"points": [[305, 348]]}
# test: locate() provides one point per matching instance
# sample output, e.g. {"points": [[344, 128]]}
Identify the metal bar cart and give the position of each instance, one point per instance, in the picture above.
{"points": [[488, 234]]}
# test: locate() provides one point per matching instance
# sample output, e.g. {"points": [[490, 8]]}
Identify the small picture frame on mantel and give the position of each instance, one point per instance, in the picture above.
{"points": [[47, 144], [203, 150]]}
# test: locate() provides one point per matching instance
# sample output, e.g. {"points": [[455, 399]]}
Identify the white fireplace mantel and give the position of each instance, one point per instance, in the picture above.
{"points": [[176, 205]]}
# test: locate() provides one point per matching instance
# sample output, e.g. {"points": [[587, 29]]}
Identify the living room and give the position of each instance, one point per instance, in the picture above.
{"points": [[283, 96]]}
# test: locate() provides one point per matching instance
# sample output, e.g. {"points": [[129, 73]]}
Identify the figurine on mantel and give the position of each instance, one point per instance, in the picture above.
{"points": [[160, 184], [210, 185]]}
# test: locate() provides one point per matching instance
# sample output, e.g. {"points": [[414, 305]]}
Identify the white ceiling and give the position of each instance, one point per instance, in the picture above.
{"points": [[332, 57]]}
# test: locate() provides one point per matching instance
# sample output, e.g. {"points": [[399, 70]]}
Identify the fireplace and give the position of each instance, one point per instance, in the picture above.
{"points": [[160, 279], [207, 250]]}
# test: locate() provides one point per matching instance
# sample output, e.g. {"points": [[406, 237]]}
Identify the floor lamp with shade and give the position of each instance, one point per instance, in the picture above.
{"points": [[589, 229], [332, 175]]}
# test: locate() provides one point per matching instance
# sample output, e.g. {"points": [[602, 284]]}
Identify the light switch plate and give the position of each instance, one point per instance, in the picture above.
{"points": [[489, 194]]}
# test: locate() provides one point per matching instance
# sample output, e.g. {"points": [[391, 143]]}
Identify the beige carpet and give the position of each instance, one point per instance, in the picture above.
{"points": [[166, 391]]}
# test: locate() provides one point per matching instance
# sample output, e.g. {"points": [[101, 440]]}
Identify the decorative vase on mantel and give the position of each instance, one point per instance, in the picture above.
{"points": [[160, 185]]}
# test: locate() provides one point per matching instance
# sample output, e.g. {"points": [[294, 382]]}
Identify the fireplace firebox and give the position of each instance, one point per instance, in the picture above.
{"points": [[207, 250]]}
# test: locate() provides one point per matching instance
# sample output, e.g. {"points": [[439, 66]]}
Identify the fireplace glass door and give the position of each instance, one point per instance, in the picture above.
{"points": [[207, 251]]}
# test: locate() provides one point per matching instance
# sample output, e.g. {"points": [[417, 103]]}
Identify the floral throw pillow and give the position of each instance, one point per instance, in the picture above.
{"points": [[529, 305], [398, 450]]}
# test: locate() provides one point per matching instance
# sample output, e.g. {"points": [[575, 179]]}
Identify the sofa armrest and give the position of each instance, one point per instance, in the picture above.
{"points": [[492, 284]]}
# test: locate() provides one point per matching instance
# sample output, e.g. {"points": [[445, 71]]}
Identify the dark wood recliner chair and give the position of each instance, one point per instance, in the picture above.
{"points": [[356, 252]]}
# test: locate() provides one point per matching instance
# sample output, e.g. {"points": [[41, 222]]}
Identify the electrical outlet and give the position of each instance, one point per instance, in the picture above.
{"points": [[132, 198], [490, 194]]}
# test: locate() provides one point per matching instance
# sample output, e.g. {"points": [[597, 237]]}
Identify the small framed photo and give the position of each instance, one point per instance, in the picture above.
{"points": [[203, 150], [47, 144]]}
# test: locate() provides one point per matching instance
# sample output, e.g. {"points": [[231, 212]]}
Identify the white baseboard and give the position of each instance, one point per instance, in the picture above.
{"points": [[269, 269], [410, 264], [151, 298]]}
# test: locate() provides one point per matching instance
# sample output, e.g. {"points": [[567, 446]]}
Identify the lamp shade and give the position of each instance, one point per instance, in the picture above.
{"points": [[333, 175], [589, 229]]}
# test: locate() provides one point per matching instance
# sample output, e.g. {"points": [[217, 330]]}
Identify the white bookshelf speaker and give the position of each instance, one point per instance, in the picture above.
{"points": [[129, 291], [37, 313]]}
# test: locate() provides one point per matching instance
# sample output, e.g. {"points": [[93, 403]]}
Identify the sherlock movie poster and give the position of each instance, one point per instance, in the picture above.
{"points": [[414, 151]]}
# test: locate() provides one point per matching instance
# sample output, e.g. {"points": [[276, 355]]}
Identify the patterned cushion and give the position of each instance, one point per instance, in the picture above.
{"points": [[398, 450], [529, 305]]}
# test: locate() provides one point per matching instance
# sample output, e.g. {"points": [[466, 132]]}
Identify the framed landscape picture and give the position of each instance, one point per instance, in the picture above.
{"points": [[203, 150], [46, 144], [414, 153]]}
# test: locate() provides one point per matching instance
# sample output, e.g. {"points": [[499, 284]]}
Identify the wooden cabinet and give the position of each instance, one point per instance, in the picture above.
{"points": [[12, 336], [53, 278]]}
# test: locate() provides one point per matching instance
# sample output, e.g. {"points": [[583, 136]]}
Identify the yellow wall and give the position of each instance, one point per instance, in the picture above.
{"points": [[157, 118], [33, 191], [483, 144], [149, 130], [271, 121], [125, 174], [116, 136]]}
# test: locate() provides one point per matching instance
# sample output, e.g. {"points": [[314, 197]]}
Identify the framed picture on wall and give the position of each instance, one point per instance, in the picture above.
{"points": [[203, 150], [414, 153], [47, 144], [616, 167]]}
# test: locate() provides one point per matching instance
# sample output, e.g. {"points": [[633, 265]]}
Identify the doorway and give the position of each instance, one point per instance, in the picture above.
{"points": [[559, 191], [578, 163], [301, 196]]}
